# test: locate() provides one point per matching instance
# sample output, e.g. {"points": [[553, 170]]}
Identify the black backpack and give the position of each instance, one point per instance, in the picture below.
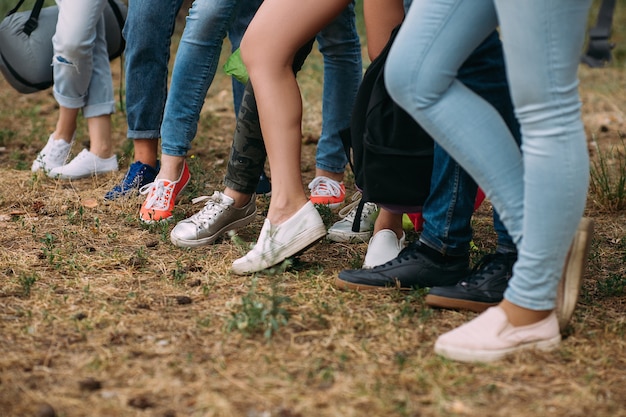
{"points": [[391, 156]]}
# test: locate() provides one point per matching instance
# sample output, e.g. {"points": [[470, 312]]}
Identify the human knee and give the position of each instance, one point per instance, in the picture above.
{"points": [[404, 85]]}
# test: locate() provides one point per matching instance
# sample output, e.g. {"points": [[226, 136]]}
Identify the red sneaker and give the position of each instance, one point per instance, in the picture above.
{"points": [[327, 191], [161, 195]]}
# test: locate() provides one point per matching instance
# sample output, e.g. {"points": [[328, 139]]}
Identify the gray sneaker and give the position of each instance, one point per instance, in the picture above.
{"points": [[342, 231], [216, 218]]}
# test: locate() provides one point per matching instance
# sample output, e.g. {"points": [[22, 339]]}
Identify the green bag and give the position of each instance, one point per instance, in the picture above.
{"points": [[234, 66]]}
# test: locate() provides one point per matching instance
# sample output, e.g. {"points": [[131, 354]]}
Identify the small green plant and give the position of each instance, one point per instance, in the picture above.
{"points": [[27, 282], [327, 214], [162, 228], [608, 177], [259, 313], [76, 216], [179, 274], [612, 286], [50, 251]]}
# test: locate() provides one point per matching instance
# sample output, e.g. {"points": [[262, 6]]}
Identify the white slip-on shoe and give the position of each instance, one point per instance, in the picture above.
{"points": [[277, 243], [383, 247], [490, 337], [53, 155], [85, 164], [573, 272]]}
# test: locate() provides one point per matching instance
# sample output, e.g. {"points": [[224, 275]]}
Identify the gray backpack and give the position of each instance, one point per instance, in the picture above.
{"points": [[26, 43]]}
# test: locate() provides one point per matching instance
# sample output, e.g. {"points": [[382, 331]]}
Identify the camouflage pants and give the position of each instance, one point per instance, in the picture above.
{"points": [[247, 155]]}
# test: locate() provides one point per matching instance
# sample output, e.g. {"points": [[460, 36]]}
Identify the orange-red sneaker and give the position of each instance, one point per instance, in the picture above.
{"points": [[327, 192], [161, 195]]}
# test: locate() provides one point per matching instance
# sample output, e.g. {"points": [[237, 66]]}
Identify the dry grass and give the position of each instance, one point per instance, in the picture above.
{"points": [[101, 316]]}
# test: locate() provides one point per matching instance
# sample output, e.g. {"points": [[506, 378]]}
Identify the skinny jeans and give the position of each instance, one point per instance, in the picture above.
{"points": [[540, 192]]}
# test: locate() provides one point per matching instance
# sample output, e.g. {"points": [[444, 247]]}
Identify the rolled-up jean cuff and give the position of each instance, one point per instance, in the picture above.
{"points": [[95, 110], [143, 134]]}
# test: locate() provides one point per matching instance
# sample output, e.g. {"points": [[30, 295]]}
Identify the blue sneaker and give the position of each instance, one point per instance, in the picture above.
{"points": [[138, 175], [264, 186]]}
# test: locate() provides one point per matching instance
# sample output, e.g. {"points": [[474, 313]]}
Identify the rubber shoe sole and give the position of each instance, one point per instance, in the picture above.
{"points": [[456, 304], [573, 272], [194, 243]]}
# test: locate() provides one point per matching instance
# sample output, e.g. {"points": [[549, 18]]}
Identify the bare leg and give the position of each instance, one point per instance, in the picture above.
{"points": [[276, 90], [66, 124], [146, 151], [171, 167], [380, 16], [390, 221], [337, 176], [100, 136]]}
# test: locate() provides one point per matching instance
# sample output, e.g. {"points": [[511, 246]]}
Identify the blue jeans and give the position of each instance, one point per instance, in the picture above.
{"points": [[447, 211], [194, 69], [343, 69], [240, 23], [81, 68], [148, 32], [540, 192]]}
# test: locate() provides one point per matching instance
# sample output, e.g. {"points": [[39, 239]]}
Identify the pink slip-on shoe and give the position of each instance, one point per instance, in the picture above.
{"points": [[490, 337]]}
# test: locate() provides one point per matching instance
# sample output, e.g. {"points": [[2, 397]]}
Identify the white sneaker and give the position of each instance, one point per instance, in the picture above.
{"points": [[85, 164], [53, 155], [341, 231], [277, 243], [383, 247], [490, 337]]}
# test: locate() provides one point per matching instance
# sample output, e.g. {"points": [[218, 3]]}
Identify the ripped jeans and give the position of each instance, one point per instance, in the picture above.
{"points": [[82, 73]]}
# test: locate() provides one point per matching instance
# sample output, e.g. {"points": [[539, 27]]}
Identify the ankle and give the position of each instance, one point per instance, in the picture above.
{"points": [[337, 176], [241, 199], [171, 168], [520, 316]]}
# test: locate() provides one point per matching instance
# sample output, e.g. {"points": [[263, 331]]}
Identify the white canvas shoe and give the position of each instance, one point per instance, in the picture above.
{"points": [[84, 165], [277, 243], [53, 155]]}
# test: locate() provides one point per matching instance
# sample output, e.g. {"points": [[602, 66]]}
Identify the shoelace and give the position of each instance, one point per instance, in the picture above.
{"points": [[214, 205], [347, 211], [325, 186], [133, 177], [56, 151], [489, 263], [159, 194], [79, 158]]}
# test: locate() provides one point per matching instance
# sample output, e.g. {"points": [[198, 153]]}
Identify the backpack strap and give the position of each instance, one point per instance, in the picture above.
{"points": [[33, 21], [356, 223], [16, 8], [599, 49]]}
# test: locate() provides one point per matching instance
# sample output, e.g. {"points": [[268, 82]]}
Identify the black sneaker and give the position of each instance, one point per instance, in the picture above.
{"points": [[483, 288], [411, 269]]}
